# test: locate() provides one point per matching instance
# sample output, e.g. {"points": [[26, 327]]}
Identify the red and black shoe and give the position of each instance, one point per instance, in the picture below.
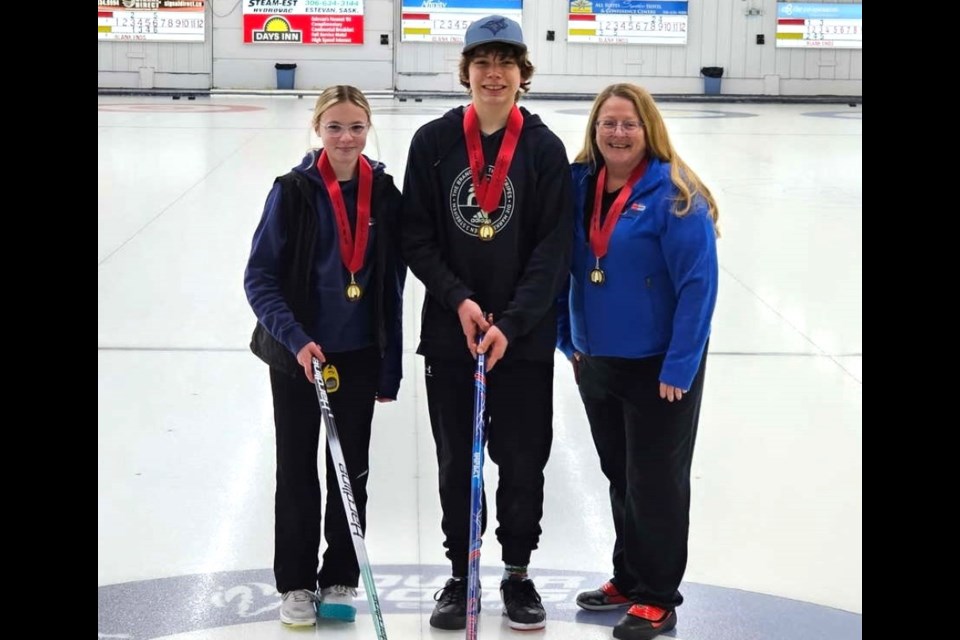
{"points": [[644, 621], [605, 598]]}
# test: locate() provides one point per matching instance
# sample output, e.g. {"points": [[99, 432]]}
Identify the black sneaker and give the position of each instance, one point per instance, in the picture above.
{"points": [[605, 598], [521, 604], [451, 610], [644, 622]]}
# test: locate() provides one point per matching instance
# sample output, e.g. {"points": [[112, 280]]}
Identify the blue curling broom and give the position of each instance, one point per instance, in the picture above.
{"points": [[476, 496]]}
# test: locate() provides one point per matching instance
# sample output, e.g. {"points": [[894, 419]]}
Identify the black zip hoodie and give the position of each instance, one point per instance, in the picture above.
{"points": [[515, 276]]}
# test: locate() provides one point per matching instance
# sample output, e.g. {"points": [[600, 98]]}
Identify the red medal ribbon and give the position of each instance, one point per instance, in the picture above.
{"points": [[600, 237], [352, 249], [489, 190]]}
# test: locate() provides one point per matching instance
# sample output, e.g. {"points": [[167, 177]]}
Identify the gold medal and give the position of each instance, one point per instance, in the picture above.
{"points": [[600, 234], [352, 246], [331, 379], [353, 290], [489, 188], [597, 276], [486, 232]]}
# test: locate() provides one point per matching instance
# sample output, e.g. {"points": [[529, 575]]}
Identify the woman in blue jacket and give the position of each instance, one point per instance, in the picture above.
{"points": [[325, 280], [642, 291]]}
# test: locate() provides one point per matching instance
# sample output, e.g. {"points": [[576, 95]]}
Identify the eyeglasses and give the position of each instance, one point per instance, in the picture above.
{"points": [[610, 126], [335, 129]]}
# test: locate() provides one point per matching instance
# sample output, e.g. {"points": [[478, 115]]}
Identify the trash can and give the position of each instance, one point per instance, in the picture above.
{"points": [[286, 74], [711, 80]]}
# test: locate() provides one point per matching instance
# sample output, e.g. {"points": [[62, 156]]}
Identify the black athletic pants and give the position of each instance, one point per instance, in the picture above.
{"points": [[519, 433], [299, 504], [645, 445]]}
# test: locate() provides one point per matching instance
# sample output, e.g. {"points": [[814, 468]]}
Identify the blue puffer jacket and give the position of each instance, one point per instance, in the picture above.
{"points": [[661, 280]]}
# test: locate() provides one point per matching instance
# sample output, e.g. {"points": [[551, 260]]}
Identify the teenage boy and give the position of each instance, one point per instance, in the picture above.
{"points": [[486, 227]]}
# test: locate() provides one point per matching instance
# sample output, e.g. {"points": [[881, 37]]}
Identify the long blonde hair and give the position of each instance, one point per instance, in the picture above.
{"points": [[658, 145]]}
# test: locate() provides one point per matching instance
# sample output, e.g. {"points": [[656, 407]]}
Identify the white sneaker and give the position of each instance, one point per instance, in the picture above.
{"points": [[336, 603], [298, 608]]}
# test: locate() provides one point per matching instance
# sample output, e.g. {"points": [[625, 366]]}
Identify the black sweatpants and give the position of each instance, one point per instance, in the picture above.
{"points": [[519, 433], [645, 445], [298, 503]]}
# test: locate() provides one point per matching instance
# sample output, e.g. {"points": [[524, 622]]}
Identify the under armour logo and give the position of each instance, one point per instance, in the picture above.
{"points": [[495, 26]]}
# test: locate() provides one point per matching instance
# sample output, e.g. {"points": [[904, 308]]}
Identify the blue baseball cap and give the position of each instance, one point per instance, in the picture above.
{"points": [[493, 29]]}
